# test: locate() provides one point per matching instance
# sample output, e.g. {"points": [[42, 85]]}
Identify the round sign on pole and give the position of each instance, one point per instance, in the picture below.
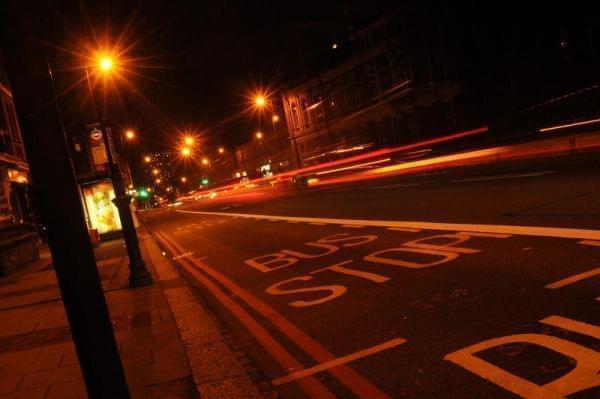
{"points": [[96, 135]]}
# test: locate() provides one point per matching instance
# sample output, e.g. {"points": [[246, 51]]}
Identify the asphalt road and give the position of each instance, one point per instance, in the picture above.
{"points": [[471, 283]]}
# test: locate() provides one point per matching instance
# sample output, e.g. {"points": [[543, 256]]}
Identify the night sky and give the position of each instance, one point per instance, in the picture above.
{"points": [[193, 61]]}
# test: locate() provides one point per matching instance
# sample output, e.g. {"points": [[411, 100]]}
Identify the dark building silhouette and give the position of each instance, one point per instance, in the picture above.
{"points": [[424, 69]]}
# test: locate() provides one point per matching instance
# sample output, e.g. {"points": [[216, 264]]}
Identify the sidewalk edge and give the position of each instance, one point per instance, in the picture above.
{"points": [[217, 371]]}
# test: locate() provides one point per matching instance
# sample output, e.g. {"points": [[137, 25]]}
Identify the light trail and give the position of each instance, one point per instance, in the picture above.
{"points": [[357, 158], [574, 124]]}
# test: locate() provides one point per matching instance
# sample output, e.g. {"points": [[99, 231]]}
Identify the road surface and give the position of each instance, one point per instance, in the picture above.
{"points": [[470, 283]]}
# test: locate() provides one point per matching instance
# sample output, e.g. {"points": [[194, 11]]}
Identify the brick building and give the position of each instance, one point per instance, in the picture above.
{"points": [[424, 68]]}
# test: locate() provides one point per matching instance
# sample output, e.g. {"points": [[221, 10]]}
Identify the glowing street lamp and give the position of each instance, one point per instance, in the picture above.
{"points": [[129, 134], [188, 140], [205, 161], [157, 181], [105, 63], [183, 179], [259, 135], [221, 150], [186, 151], [155, 172], [275, 118], [147, 159], [260, 101]]}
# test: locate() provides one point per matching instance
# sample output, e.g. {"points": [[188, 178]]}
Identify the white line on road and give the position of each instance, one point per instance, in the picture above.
{"points": [[409, 230], [497, 177], [572, 325], [395, 185], [590, 242], [340, 360], [537, 231], [573, 279]]}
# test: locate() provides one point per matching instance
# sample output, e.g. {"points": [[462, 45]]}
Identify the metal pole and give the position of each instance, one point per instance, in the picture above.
{"points": [[60, 206], [138, 273]]}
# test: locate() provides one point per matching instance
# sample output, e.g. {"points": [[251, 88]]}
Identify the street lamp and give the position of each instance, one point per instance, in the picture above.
{"points": [[138, 274], [186, 151], [155, 172], [188, 140], [158, 181], [205, 161], [275, 118], [105, 63], [129, 134], [147, 159], [258, 135], [260, 101], [221, 150], [183, 179]]}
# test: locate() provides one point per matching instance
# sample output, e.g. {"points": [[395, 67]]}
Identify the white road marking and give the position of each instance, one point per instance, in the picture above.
{"points": [[395, 185], [404, 229], [590, 242], [340, 360], [537, 231], [573, 279], [573, 325], [498, 177]]}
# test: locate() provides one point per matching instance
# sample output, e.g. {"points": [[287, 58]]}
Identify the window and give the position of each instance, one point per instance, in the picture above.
{"points": [[450, 113], [384, 74], [295, 117], [303, 108], [372, 80], [401, 69]]}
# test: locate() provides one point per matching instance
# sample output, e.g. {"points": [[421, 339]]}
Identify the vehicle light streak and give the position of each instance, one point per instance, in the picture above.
{"points": [[558, 127], [386, 151], [558, 146], [361, 157], [360, 165]]}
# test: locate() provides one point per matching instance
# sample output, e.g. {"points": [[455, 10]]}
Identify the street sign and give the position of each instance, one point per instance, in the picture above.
{"points": [[99, 155]]}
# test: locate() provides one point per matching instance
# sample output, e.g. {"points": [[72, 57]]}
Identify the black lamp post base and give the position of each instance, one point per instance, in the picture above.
{"points": [[141, 277]]}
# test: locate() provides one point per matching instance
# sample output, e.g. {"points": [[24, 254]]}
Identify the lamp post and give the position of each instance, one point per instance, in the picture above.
{"points": [[138, 273]]}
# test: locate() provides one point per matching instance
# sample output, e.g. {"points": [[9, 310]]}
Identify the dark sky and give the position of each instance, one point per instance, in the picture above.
{"points": [[193, 60]]}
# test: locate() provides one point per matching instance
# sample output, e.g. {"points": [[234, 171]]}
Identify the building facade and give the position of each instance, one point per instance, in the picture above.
{"points": [[389, 91], [423, 69], [14, 170]]}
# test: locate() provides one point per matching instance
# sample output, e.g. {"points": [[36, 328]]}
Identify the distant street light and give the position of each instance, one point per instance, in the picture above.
{"points": [[157, 181], [188, 140], [186, 151], [221, 150], [205, 161], [260, 101], [275, 118], [147, 159], [129, 134], [259, 135], [183, 179], [155, 172]]}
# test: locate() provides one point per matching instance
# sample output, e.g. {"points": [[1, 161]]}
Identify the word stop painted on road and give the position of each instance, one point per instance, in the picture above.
{"points": [[433, 250], [585, 375]]}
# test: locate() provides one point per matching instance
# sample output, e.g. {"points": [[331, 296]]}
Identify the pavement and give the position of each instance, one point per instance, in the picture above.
{"points": [[478, 282], [170, 344]]}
